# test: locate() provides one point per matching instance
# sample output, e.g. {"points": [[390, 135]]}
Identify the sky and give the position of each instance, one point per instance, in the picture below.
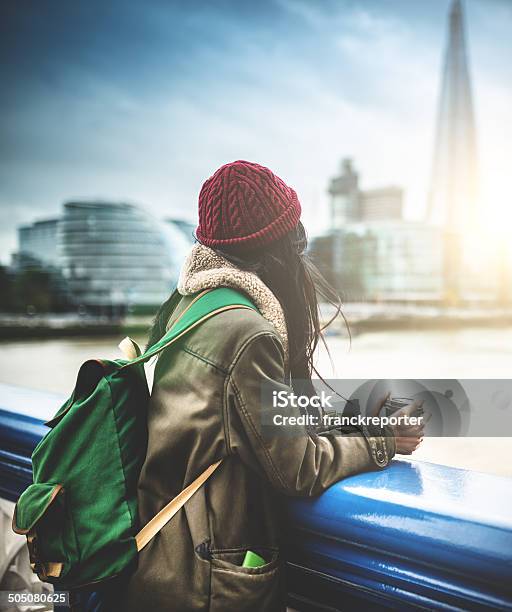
{"points": [[141, 101]]}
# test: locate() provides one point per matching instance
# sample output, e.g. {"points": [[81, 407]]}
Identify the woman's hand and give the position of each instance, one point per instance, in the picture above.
{"points": [[407, 437]]}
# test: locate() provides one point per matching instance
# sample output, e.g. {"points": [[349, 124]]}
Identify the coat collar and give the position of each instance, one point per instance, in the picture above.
{"points": [[205, 269]]}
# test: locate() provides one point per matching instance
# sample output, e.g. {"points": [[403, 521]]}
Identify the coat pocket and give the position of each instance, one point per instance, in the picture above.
{"points": [[41, 514], [244, 589]]}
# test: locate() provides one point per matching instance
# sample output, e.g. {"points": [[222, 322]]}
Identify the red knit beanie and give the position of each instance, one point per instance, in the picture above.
{"points": [[247, 205]]}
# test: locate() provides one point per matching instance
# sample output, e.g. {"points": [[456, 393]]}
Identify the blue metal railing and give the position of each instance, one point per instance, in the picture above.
{"points": [[413, 536]]}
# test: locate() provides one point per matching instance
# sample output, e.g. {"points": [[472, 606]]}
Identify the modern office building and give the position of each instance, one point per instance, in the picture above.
{"points": [[110, 256], [344, 192], [388, 261], [117, 255], [374, 253], [453, 196], [38, 243], [473, 270], [351, 204], [381, 204]]}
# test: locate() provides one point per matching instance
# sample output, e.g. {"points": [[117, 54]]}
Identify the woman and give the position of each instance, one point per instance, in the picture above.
{"points": [[206, 406]]}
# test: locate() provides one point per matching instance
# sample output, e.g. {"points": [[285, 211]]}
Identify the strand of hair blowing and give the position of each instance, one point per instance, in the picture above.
{"points": [[295, 281]]}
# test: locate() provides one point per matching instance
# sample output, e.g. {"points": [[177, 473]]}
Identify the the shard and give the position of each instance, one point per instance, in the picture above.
{"points": [[453, 195]]}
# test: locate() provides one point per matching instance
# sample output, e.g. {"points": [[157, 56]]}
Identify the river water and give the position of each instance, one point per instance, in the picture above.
{"points": [[51, 365]]}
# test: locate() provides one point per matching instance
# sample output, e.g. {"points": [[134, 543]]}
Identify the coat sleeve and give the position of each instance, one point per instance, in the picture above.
{"points": [[295, 461]]}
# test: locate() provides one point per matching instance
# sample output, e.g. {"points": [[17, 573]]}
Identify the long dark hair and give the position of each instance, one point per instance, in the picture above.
{"points": [[289, 273]]}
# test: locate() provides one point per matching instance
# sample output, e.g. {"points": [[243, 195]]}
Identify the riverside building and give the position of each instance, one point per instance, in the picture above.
{"points": [[113, 256]]}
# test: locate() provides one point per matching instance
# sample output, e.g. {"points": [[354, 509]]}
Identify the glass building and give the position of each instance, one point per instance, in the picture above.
{"points": [[350, 204], [116, 255], [344, 192], [381, 204], [388, 261], [38, 243]]}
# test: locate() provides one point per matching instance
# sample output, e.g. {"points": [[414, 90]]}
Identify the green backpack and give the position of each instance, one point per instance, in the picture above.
{"points": [[80, 514]]}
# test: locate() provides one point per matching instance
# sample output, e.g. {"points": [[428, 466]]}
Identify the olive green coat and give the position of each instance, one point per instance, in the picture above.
{"points": [[206, 406]]}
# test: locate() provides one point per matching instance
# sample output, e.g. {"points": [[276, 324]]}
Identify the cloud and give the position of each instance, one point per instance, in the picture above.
{"points": [[142, 102]]}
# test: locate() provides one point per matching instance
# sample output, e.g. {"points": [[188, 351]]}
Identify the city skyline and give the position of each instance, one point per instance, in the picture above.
{"points": [[132, 107]]}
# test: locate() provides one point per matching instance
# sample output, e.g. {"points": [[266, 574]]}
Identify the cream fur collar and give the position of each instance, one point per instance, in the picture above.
{"points": [[205, 269]]}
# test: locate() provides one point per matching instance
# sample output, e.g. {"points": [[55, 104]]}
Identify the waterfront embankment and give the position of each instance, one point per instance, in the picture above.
{"points": [[361, 317]]}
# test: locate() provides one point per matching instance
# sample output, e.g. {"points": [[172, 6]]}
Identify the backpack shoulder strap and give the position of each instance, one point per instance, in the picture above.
{"points": [[204, 305], [161, 519]]}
